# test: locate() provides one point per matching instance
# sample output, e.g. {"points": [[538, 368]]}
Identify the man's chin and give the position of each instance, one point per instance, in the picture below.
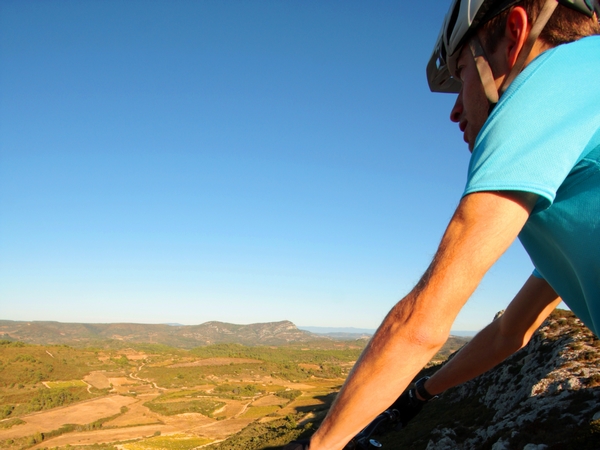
{"points": [[470, 144]]}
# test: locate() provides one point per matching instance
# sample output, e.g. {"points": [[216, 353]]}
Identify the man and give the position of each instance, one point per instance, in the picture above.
{"points": [[529, 108]]}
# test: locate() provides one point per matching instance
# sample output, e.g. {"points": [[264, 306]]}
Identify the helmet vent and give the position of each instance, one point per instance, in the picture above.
{"points": [[452, 21]]}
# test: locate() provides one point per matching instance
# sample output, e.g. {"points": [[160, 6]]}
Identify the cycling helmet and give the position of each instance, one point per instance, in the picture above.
{"points": [[464, 18]]}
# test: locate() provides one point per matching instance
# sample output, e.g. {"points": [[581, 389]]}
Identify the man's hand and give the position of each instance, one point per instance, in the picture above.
{"points": [[297, 445]]}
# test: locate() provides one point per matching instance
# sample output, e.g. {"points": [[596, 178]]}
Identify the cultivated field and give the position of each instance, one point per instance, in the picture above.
{"points": [[60, 397]]}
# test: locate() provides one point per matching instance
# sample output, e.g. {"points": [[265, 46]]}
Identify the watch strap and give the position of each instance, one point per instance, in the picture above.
{"points": [[420, 388]]}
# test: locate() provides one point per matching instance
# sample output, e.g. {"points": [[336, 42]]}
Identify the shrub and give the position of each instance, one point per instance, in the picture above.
{"points": [[6, 411], [292, 394]]}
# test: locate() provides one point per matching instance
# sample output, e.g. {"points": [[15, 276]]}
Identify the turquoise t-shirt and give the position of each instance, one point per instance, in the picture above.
{"points": [[543, 137]]}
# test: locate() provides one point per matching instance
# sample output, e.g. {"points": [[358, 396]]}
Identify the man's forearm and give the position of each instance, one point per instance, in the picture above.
{"points": [[419, 325], [386, 367], [481, 354], [410, 335], [500, 339]]}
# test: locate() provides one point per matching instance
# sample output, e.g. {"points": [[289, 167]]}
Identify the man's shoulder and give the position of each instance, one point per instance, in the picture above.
{"points": [[586, 49], [543, 124], [582, 52], [572, 66], [589, 41]]}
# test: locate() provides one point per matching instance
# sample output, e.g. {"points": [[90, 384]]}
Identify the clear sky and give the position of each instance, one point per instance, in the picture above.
{"points": [[240, 161]]}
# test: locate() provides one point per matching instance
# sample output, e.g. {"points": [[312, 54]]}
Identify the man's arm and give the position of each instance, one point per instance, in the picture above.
{"points": [[501, 338], [482, 228]]}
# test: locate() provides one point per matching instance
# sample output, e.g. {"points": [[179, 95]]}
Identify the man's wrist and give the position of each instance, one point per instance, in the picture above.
{"points": [[422, 393]]}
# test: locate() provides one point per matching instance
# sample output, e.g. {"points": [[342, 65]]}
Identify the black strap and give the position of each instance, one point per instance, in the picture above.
{"points": [[420, 388], [535, 31]]}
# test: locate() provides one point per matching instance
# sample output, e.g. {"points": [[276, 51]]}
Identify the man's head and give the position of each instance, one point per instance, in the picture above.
{"points": [[484, 44], [479, 67], [572, 20], [565, 25]]}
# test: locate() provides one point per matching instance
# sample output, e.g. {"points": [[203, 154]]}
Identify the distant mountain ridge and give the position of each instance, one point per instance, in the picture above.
{"points": [[358, 333], [326, 330], [341, 333], [180, 336]]}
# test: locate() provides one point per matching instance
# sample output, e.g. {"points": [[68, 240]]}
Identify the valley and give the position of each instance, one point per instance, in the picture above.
{"points": [[58, 396], [122, 394]]}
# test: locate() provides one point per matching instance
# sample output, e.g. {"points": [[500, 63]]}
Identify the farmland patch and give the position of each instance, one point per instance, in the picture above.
{"points": [[137, 414], [81, 413], [98, 379], [171, 442], [255, 412], [204, 406], [216, 362], [270, 400], [64, 384]]}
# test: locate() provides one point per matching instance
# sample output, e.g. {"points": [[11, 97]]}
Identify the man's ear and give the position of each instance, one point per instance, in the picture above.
{"points": [[516, 32]]}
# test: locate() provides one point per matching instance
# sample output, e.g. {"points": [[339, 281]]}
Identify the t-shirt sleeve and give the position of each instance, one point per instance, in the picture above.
{"points": [[538, 131]]}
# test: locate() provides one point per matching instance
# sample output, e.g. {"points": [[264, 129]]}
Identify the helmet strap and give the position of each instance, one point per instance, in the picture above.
{"points": [[485, 71], [536, 29], [483, 67]]}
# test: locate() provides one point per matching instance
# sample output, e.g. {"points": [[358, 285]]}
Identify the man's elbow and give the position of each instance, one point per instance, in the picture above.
{"points": [[416, 328], [511, 341], [429, 338]]}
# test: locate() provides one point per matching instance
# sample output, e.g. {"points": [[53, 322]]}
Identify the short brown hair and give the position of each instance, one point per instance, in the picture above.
{"points": [[565, 25]]}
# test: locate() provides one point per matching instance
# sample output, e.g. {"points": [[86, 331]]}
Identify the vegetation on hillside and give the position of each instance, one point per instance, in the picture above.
{"points": [[259, 382], [120, 335], [203, 406], [264, 436], [24, 367], [30, 364]]}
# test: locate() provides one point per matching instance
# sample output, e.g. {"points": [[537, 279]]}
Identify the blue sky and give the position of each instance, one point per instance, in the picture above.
{"points": [[241, 161]]}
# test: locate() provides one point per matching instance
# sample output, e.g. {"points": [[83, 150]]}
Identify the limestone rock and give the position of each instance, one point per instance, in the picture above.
{"points": [[549, 387]]}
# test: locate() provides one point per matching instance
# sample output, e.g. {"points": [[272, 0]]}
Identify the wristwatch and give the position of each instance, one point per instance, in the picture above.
{"points": [[420, 388]]}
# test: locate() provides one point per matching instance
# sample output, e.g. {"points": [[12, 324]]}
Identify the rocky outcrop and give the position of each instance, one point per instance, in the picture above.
{"points": [[546, 396]]}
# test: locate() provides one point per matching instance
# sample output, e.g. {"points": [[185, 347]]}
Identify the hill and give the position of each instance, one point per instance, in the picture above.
{"points": [[338, 333], [182, 336], [120, 335]]}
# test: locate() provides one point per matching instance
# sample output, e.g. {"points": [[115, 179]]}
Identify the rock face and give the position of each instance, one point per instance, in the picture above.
{"points": [[545, 396]]}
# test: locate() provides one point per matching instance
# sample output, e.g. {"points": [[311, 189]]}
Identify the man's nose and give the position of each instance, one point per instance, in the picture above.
{"points": [[457, 109]]}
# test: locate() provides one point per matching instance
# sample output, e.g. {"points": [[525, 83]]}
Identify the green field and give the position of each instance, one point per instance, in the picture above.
{"points": [[65, 384], [172, 442], [255, 412], [202, 406]]}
